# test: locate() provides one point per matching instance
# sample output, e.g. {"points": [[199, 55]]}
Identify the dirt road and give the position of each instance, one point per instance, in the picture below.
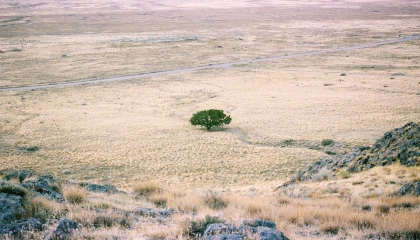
{"points": [[222, 65]]}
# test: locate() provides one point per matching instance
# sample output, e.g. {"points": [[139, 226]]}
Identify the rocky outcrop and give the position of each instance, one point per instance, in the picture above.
{"points": [[46, 187], [63, 230], [410, 189], [400, 145], [220, 228], [18, 214], [249, 229]]}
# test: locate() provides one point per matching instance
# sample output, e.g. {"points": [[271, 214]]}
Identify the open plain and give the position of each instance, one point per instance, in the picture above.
{"points": [[138, 130]]}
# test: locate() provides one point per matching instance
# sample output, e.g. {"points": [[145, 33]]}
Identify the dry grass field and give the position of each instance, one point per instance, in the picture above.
{"points": [[127, 132]]}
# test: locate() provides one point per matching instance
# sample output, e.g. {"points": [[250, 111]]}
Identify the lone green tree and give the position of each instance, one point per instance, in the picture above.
{"points": [[210, 118]]}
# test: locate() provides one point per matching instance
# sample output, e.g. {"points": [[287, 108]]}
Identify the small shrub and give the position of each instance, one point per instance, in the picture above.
{"points": [[254, 210], [330, 153], [32, 148], [214, 201], [366, 208], [29, 149], [383, 209], [343, 74], [74, 195], [327, 142], [146, 189], [331, 229], [403, 205], [283, 201], [288, 142], [210, 118], [344, 174], [363, 223], [357, 183]]}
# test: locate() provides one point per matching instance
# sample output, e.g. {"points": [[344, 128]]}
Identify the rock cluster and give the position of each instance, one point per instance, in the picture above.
{"points": [[249, 229], [14, 203], [400, 145]]}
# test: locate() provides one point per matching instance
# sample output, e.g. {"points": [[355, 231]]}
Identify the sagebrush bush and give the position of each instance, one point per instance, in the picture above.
{"points": [[214, 201]]}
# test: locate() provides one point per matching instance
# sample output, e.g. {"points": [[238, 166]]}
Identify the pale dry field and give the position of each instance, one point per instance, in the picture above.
{"points": [[137, 130]]}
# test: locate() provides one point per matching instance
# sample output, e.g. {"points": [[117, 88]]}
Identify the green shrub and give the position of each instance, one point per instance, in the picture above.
{"points": [[327, 142], [210, 118]]}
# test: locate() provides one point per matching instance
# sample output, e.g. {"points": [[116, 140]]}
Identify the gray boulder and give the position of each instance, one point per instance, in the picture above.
{"points": [[225, 237], [260, 230], [220, 228], [63, 230], [265, 233]]}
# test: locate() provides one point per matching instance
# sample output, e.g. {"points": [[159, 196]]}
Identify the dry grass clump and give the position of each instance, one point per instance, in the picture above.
{"points": [[148, 188], [43, 209], [187, 203], [74, 194], [110, 219]]}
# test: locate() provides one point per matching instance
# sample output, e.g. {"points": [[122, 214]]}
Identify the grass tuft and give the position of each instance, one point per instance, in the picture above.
{"points": [[214, 201], [74, 195], [146, 189]]}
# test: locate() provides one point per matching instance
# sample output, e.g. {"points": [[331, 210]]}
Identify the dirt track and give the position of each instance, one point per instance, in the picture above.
{"points": [[222, 65]]}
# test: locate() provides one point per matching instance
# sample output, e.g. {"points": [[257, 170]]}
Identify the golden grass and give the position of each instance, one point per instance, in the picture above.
{"points": [[145, 189], [75, 195], [44, 209], [125, 133]]}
